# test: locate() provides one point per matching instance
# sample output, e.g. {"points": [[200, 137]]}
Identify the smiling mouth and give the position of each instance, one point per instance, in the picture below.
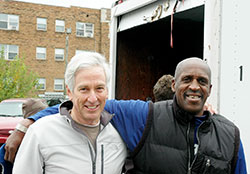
{"points": [[92, 107], [193, 97]]}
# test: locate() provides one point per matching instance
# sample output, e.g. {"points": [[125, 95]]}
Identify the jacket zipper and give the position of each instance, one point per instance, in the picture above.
{"points": [[198, 141], [102, 159], [92, 153], [93, 158], [102, 153], [207, 166]]}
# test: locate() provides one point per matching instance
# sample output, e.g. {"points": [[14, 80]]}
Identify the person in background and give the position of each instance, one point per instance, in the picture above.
{"points": [[162, 89], [176, 136], [29, 107], [79, 139]]}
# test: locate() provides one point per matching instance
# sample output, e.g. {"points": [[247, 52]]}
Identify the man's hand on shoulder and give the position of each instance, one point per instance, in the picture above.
{"points": [[209, 107], [14, 140]]}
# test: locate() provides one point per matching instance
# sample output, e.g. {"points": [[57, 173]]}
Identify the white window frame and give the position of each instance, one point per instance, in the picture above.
{"points": [[84, 29], [59, 24], [58, 82], [12, 22], [42, 82], [41, 24], [39, 52], [59, 54], [7, 51]]}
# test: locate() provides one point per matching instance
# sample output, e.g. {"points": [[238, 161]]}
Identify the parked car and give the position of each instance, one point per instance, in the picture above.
{"points": [[12, 111]]}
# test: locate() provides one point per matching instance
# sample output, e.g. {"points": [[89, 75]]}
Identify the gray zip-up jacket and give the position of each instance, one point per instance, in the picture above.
{"points": [[55, 145]]}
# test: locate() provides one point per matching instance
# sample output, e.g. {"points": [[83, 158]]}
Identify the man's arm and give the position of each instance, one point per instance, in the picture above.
{"points": [[241, 163], [129, 120], [15, 139]]}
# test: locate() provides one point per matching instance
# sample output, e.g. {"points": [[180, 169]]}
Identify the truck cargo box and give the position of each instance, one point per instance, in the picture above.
{"points": [[149, 38]]}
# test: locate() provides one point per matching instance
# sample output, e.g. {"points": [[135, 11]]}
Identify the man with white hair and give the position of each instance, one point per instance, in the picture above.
{"points": [[79, 139]]}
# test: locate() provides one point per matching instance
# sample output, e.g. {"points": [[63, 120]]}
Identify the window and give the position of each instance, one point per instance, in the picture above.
{"points": [[41, 53], [84, 29], [79, 51], [41, 24], [79, 29], [9, 22], [9, 51], [82, 51], [59, 84], [89, 30], [59, 54], [60, 26], [41, 84]]}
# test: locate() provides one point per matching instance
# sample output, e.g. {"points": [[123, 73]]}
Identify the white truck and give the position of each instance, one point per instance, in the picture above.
{"points": [[149, 37]]}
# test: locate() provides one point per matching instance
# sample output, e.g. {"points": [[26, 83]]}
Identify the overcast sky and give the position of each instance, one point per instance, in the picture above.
{"points": [[82, 3]]}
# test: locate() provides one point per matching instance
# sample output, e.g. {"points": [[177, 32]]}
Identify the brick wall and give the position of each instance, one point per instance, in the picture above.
{"points": [[28, 38]]}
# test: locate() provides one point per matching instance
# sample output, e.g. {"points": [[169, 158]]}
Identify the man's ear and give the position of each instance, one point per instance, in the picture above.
{"points": [[173, 85], [210, 88], [69, 93]]}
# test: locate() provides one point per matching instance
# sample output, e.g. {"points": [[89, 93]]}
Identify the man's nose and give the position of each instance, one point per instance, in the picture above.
{"points": [[194, 85], [92, 97]]}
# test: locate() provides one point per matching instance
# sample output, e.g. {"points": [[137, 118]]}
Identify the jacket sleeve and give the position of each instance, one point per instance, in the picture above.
{"points": [[48, 111], [28, 159], [241, 163], [129, 120], [6, 166]]}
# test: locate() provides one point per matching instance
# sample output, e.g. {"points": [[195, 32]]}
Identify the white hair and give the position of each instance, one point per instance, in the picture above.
{"points": [[85, 60]]}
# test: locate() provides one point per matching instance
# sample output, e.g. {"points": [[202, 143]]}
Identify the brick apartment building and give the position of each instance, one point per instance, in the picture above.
{"points": [[38, 33]]}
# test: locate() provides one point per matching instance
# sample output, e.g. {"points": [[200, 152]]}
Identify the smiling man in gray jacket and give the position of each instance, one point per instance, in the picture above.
{"points": [[79, 139]]}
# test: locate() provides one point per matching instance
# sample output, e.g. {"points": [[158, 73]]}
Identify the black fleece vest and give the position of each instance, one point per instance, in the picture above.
{"points": [[167, 145]]}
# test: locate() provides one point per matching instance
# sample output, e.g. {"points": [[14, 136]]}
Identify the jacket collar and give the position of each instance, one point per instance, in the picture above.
{"points": [[66, 106], [184, 116]]}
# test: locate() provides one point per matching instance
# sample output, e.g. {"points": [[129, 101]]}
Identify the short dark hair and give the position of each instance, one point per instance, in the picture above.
{"points": [[162, 89]]}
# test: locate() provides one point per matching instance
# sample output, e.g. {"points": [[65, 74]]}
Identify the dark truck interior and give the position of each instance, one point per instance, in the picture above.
{"points": [[144, 53]]}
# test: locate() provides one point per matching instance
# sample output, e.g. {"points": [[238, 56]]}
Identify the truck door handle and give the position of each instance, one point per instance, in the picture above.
{"points": [[241, 72]]}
